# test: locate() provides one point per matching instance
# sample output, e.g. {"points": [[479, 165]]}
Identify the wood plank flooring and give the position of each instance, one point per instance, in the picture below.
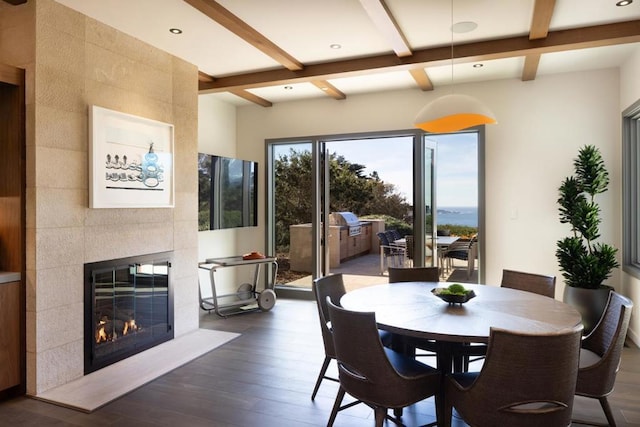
{"points": [[265, 378]]}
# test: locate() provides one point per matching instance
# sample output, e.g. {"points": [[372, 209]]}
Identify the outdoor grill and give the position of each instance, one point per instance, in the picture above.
{"points": [[346, 219]]}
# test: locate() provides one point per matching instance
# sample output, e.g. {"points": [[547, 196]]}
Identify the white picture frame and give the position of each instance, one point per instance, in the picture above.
{"points": [[130, 161]]}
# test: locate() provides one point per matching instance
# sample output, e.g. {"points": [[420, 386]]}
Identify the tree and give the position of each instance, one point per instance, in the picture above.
{"points": [[350, 190]]}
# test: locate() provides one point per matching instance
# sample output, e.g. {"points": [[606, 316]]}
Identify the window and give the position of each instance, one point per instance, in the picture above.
{"points": [[631, 189], [227, 193]]}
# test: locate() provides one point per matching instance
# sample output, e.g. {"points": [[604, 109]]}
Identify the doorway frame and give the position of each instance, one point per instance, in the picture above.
{"points": [[318, 141]]}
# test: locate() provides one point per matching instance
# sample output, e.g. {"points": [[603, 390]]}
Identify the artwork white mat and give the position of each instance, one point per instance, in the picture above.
{"points": [[130, 161]]}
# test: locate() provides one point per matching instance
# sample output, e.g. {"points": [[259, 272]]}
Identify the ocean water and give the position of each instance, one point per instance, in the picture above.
{"points": [[458, 215]]}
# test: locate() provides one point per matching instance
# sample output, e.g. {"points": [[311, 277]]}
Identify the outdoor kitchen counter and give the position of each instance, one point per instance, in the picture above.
{"points": [[8, 277]]}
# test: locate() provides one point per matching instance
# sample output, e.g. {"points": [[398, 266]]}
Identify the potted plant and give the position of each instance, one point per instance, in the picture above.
{"points": [[585, 264]]}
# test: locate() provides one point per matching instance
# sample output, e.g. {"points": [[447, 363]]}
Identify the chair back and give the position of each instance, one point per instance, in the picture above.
{"points": [[384, 242], [530, 282], [409, 245], [526, 380], [331, 286], [413, 274], [605, 340], [364, 368]]}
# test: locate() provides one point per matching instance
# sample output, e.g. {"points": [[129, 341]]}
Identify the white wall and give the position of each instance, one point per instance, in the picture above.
{"points": [[630, 93], [217, 135], [542, 124]]}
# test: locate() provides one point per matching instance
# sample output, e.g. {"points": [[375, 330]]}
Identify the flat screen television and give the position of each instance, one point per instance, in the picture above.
{"points": [[227, 192]]}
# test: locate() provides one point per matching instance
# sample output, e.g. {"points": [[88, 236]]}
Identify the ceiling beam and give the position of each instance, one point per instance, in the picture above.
{"points": [[387, 25], [421, 78], [542, 13], [556, 41], [237, 26], [251, 97], [329, 89], [204, 77], [540, 21], [530, 68]]}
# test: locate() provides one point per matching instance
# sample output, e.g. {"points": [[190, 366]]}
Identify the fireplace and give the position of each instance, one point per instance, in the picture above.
{"points": [[128, 308]]}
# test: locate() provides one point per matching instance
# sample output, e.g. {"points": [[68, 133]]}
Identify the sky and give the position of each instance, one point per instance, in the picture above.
{"points": [[456, 165], [391, 158]]}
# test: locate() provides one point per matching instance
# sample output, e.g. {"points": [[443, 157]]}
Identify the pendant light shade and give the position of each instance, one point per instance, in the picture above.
{"points": [[451, 113]]}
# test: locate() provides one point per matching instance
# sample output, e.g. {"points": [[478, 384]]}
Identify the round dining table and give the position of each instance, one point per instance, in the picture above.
{"points": [[411, 309]]}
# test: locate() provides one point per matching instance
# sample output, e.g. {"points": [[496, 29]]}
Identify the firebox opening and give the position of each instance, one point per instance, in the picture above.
{"points": [[128, 308]]}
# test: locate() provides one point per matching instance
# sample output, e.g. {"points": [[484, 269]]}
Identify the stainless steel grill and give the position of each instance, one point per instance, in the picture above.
{"points": [[346, 219]]}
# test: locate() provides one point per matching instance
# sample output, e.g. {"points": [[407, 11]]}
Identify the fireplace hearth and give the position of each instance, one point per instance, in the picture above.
{"points": [[128, 308]]}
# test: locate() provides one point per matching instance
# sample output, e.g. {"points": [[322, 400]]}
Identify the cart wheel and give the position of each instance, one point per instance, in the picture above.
{"points": [[245, 291], [266, 299]]}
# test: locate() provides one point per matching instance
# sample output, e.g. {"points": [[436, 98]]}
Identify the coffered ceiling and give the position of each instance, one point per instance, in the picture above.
{"points": [[270, 51]]}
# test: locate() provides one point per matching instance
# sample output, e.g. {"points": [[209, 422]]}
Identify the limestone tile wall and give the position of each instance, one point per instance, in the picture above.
{"points": [[81, 62]]}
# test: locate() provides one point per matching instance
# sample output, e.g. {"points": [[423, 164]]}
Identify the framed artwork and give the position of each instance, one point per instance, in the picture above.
{"points": [[130, 161]]}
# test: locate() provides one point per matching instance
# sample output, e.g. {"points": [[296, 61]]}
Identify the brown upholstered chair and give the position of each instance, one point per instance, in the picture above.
{"points": [[408, 345], [413, 274], [536, 283], [377, 376], [331, 286], [526, 380], [601, 352]]}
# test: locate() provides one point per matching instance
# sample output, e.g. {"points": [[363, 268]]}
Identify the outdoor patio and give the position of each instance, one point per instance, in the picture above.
{"points": [[365, 271]]}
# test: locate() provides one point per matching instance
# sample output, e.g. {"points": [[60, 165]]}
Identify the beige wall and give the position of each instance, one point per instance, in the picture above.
{"points": [[80, 62], [542, 124]]}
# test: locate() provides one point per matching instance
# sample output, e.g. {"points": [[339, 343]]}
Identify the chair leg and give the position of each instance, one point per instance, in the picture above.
{"points": [[323, 371], [607, 411], [381, 415], [336, 406]]}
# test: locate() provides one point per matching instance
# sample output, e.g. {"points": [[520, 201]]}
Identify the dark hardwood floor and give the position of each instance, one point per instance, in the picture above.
{"points": [[265, 378]]}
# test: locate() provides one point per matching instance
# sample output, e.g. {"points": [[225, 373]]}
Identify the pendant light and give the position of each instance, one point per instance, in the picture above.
{"points": [[453, 112]]}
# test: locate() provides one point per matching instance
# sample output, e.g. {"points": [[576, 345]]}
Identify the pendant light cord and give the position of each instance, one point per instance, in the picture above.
{"points": [[451, 30]]}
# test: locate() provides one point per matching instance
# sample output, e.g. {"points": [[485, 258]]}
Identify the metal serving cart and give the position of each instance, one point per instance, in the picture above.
{"points": [[247, 294]]}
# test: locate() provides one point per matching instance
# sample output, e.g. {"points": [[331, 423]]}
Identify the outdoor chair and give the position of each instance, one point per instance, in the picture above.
{"points": [[331, 286], [526, 380], [377, 376], [390, 255], [536, 283], [601, 352], [461, 250]]}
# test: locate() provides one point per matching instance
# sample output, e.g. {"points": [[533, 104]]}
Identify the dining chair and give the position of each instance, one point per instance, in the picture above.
{"points": [[406, 344], [526, 380], [530, 282], [375, 375], [413, 274], [461, 250], [331, 286], [601, 352]]}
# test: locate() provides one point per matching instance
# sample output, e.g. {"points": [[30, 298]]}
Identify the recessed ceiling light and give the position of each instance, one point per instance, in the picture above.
{"points": [[464, 27], [624, 2], [335, 46], [175, 30], [478, 65]]}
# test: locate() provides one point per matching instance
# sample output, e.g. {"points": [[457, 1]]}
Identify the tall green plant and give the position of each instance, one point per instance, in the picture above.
{"points": [[583, 262]]}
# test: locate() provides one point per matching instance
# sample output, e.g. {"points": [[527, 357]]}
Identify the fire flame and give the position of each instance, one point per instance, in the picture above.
{"points": [[102, 336]]}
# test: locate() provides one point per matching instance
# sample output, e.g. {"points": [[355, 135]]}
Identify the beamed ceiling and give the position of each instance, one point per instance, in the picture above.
{"points": [[268, 51]]}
